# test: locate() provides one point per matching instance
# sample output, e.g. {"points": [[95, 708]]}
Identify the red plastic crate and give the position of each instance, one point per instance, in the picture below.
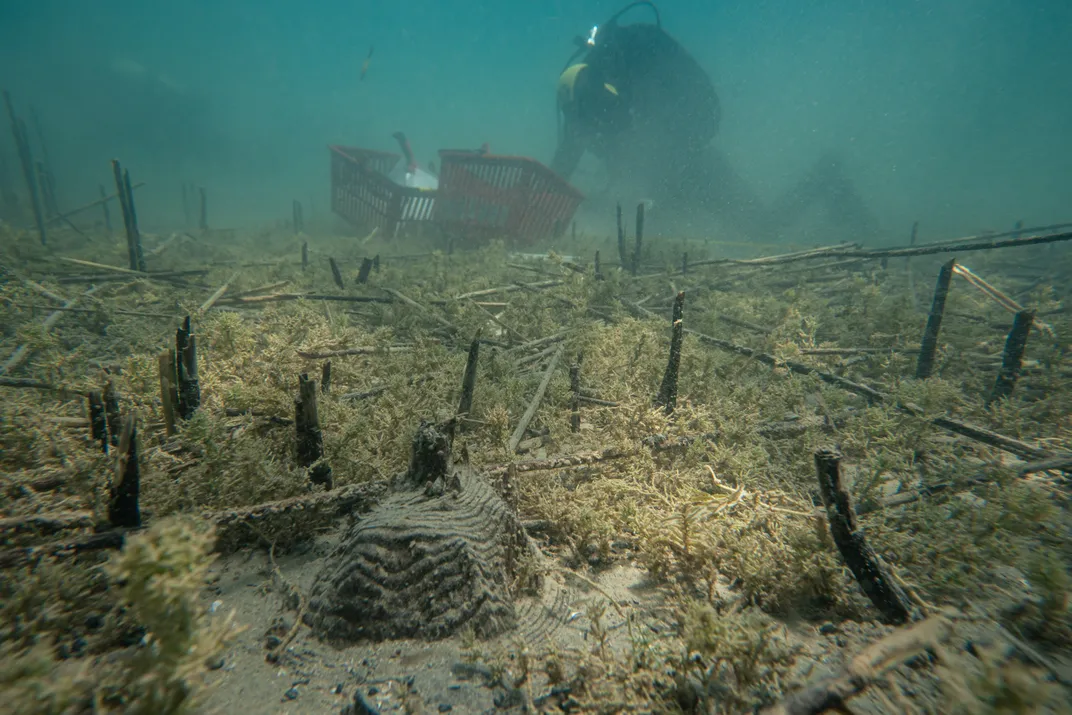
{"points": [[362, 194], [483, 196]]}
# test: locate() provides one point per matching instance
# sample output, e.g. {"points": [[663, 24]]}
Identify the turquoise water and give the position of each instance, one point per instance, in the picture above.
{"points": [[955, 113]]}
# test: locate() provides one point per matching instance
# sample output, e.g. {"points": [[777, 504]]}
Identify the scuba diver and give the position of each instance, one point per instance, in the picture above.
{"points": [[634, 98]]}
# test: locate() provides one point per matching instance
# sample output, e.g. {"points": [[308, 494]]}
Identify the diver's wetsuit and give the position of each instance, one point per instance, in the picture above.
{"points": [[645, 107], [641, 102]]}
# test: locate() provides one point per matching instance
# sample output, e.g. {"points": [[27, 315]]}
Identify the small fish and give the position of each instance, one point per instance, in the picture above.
{"points": [[365, 64]]}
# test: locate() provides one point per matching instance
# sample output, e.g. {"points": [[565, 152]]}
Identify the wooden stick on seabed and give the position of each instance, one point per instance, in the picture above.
{"points": [[217, 295], [870, 572], [530, 412], [123, 508], [23, 351]]}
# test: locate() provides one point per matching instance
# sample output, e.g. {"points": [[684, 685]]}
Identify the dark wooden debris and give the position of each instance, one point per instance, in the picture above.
{"points": [[873, 576], [635, 263], [22, 146], [189, 389], [1013, 356], [465, 403], [667, 397], [310, 440], [325, 377], [363, 272], [98, 423], [123, 511], [112, 415], [203, 221], [929, 344], [336, 274]]}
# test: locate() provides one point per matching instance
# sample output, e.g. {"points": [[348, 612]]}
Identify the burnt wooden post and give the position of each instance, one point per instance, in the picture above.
{"points": [[106, 210], [135, 254], [575, 397], [598, 268], [299, 217], [363, 273], [310, 440], [98, 422], [111, 413], [639, 237], [929, 345], [873, 576], [1013, 357], [325, 377], [189, 389], [465, 402], [336, 273], [304, 255], [667, 397], [186, 213], [169, 390], [22, 146], [123, 508], [203, 222], [622, 257]]}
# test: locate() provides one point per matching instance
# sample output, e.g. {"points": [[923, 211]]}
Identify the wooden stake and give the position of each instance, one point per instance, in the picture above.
{"points": [[1013, 356], [336, 274], [22, 145], [598, 268], [98, 424], [123, 508], [465, 403], [622, 257], [667, 397], [363, 273], [104, 208], [169, 395], [870, 572], [929, 344], [639, 237], [325, 377], [299, 218], [189, 389], [310, 440], [304, 255], [575, 399], [111, 412]]}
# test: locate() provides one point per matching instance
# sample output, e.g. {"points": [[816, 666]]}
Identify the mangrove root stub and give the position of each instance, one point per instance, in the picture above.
{"points": [[872, 574], [929, 344], [98, 423], [310, 441], [123, 503], [1013, 356], [363, 272], [667, 397], [189, 389], [336, 273]]}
